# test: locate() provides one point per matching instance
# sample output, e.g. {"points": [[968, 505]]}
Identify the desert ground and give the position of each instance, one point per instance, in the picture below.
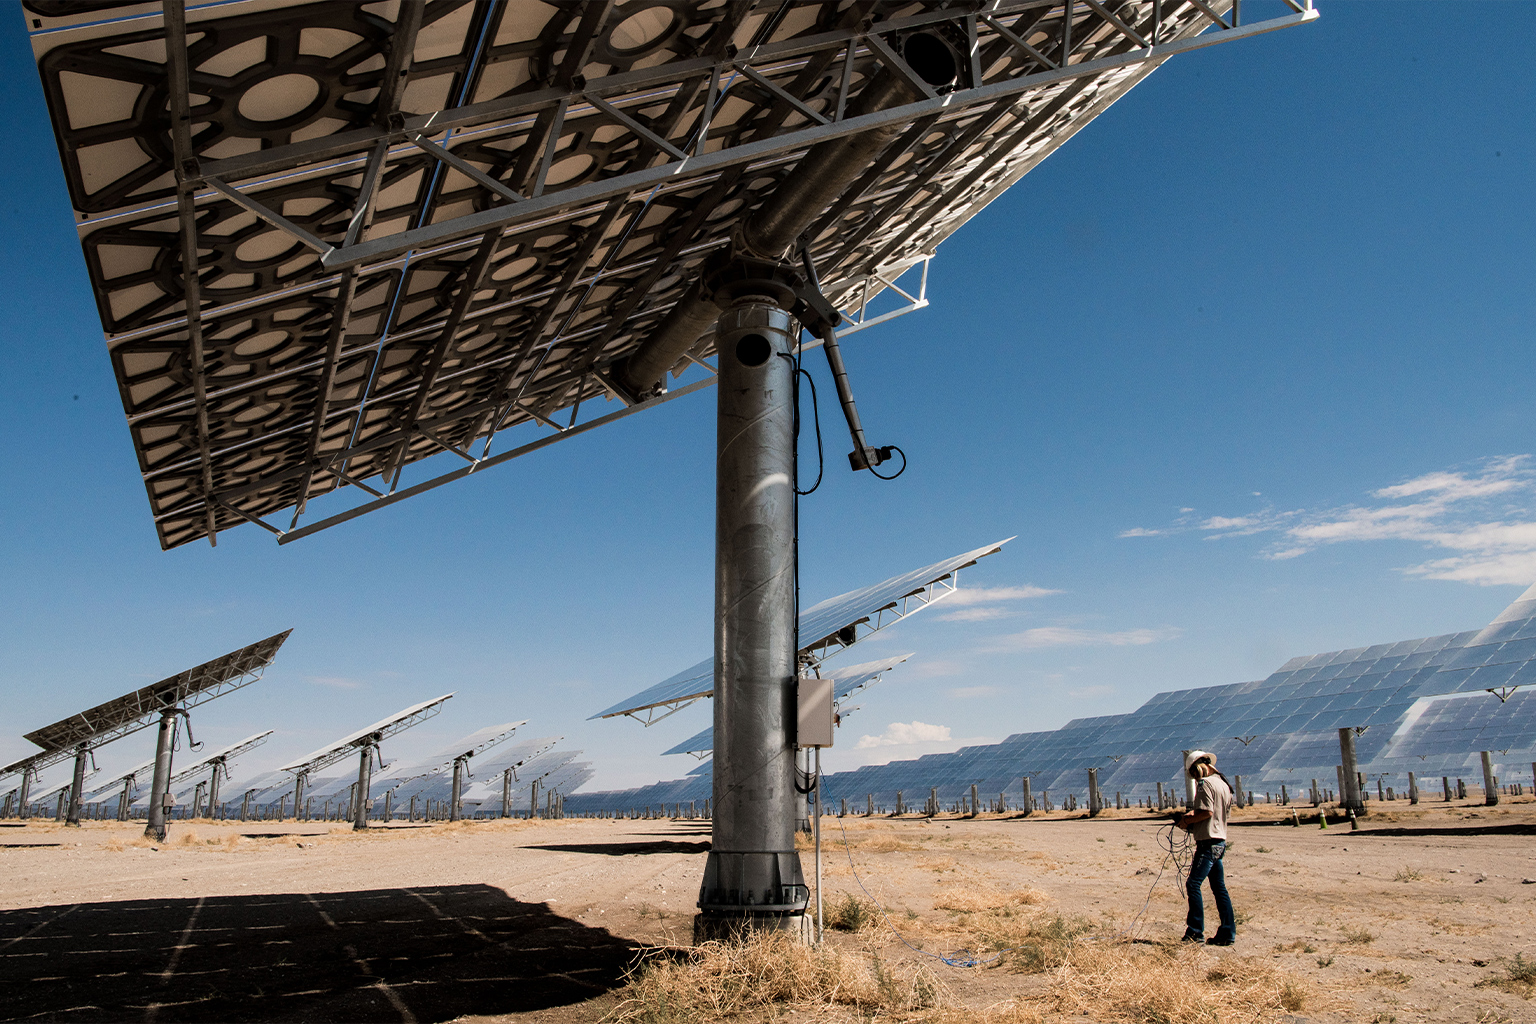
{"points": [[1423, 914]]}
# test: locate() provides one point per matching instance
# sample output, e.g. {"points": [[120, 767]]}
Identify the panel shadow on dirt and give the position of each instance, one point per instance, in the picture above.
{"points": [[427, 954], [626, 849]]}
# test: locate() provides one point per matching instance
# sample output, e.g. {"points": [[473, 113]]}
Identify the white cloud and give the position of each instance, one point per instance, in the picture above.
{"points": [[978, 604], [1224, 523], [968, 692], [903, 741], [1484, 519], [974, 614], [991, 595], [1066, 636], [338, 682], [900, 734], [1140, 531]]}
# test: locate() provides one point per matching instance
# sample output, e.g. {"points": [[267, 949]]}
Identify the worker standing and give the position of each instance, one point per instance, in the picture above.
{"points": [[1207, 822]]}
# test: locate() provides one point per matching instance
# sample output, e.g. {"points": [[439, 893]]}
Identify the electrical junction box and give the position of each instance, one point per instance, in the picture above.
{"points": [[815, 719]]}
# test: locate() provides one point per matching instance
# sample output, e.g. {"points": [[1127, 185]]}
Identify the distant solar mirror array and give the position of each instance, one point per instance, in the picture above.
{"points": [[331, 240], [1430, 706], [482, 774]]}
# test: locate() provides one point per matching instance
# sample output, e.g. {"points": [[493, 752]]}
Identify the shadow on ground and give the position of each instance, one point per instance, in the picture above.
{"points": [[625, 849], [1451, 830], [427, 954]]}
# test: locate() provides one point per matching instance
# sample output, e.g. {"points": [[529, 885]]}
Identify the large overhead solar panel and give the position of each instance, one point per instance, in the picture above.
{"points": [[849, 679], [328, 241], [143, 707], [825, 629]]}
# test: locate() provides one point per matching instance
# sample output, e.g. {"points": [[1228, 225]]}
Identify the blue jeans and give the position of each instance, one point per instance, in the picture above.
{"points": [[1207, 864]]}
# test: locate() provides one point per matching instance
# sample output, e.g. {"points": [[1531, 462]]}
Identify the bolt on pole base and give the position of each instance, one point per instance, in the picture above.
{"points": [[753, 879]]}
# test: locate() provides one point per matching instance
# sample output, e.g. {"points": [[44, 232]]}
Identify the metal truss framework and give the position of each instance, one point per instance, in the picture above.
{"points": [[474, 750], [371, 736], [331, 240], [142, 708], [219, 760]]}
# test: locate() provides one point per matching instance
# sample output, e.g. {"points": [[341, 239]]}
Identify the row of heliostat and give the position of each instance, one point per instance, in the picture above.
{"points": [[496, 772]]}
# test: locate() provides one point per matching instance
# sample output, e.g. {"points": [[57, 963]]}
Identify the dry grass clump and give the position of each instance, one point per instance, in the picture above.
{"points": [[1033, 945], [884, 844], [846, 912], [1170, 985], [1358, 936], [1518, 979], [718, 980], [972, 900]]}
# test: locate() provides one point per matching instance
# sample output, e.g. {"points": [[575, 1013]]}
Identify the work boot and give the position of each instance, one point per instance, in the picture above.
{"points": [[1222, 938], [1192, 936]]}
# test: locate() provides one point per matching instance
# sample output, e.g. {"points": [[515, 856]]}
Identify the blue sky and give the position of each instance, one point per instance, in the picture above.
{"points": [[1245, 366]]}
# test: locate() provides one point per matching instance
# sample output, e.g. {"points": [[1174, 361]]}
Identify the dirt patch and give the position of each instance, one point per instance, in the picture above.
{"points": [[546, 921]]}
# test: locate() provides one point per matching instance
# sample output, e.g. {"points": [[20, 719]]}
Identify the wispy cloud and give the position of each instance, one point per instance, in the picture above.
{"points": [[981, 614], [1482, 519], [971, 692], [1068, 636], [992, 595], [980, 604], [336, 682]]}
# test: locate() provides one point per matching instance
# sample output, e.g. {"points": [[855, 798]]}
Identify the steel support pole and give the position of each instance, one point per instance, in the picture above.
{"points": [[25, 793], [298, 797], [753, 877], [213, 788], [364, 782], [1349, 774], [506, 793], [155, 827], [1095, 799], [1490, 783], [1029, 798], [458, 788], [81, 753]]}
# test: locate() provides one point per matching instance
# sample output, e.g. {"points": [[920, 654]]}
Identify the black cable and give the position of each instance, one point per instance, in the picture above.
{"points": [[821, 461], [896, 474]]}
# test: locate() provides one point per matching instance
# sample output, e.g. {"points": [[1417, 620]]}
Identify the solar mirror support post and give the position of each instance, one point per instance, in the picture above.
{"points": [[360, 799], [82, 752], [1349, 773], [752, 878], [154, 828]]}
